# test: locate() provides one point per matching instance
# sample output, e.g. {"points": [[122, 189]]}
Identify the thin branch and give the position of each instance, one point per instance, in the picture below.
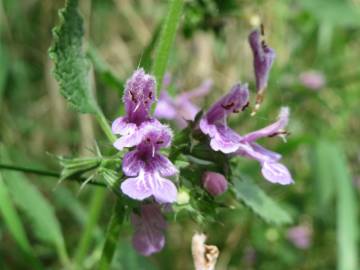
{"points": [[48, 173]]}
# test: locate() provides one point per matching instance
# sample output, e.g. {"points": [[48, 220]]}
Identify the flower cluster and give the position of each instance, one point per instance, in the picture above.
{"points": [[145, 166], [226, 140], [147, 169]]}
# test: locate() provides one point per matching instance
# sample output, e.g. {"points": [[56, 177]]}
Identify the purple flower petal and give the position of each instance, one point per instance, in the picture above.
{"points": [[155, 135], [149, 235], [180, 108], [271, 169], [163, 165], [148, 167], [271, 130], [139, 94], [264, 57], [265, 152], [137, 188], [165, 107], [198, 92], [164, 190], [123, 127], [222, 138], [132, 163], [237, 99], [276, 173], [128, 140], [147, 184], [148, 242], [186, 109], [258, 153]]}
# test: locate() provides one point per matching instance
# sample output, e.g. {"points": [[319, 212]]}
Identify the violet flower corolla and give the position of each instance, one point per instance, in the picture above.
{"points": [[263, 58], [150, 225], [138, 97], [271, 168], [147, 167], [180, 108], [226, 140], [300, 236], [214, 123]]}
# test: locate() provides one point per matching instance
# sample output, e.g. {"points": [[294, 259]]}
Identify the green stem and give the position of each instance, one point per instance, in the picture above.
{"points": [[105, 126], [112, 235], [47, 173], [166, 40], [95, 209], [96, 204]]}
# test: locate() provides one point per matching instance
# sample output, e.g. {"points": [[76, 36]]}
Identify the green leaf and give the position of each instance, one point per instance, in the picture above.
{"points": [[347, 209], [14, 225], [38, 211], [71, 66], [257, 200], [167, 37], [325, 183]]}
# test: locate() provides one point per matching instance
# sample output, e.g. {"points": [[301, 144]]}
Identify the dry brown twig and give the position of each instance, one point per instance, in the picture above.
{"points": [[205, 256]]}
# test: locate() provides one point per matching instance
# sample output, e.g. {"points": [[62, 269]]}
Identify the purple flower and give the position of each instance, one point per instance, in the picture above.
{"points": [[312, 79], [264, 57], [214, 123], [149, 226], [226, 140], [300, 236], [147, 167], [271, 168], [138, 97], [180, 108], [214, 183]]}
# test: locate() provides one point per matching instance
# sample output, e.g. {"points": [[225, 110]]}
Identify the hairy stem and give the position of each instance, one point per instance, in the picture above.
{"points": [[103, 123], [96, 203], [47, 173]]}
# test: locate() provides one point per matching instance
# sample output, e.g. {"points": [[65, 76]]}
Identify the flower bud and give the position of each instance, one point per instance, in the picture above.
{"points": [[214, 183]]}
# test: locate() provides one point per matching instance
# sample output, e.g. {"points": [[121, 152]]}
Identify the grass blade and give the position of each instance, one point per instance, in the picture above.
{"points": [[15, 226], [166, 40]]}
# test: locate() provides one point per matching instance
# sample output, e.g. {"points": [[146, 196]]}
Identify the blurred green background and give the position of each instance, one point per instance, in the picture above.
{"points": [[322, 151]]}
